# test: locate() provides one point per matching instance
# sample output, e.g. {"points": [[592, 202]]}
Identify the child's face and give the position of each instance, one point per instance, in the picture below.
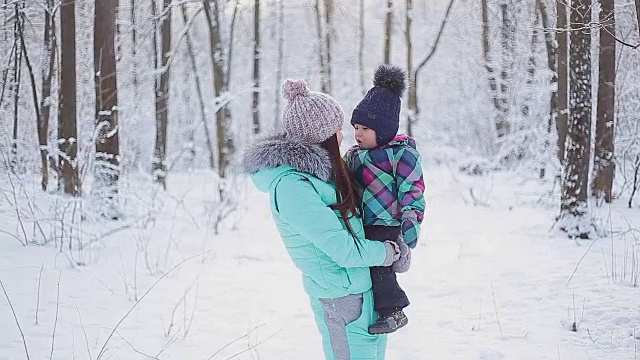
{"points": [[365, 137]]}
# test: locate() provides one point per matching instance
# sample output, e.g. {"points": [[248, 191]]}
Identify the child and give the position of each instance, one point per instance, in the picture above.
{"points": [[387, 167]]}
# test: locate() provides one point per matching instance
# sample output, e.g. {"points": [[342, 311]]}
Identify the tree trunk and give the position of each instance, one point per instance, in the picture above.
{"points": [[638, 14], [255, 109], [45, 101], [489, 66], [196, 75], [17, 79], [562, 36], [32, 78], [503, 127], [322, 29], [604, 166], [280, 59], [67, 129], [159, 165], [134, 46], [388, 26], [552, 59], [107, 170], [363, 87], [413, 75], [220, 85], [328, 13], [531, 68], [574, 205], [413, 103]]}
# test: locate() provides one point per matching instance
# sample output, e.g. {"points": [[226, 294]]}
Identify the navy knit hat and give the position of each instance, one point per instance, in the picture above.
{"points": [[380, 108]]}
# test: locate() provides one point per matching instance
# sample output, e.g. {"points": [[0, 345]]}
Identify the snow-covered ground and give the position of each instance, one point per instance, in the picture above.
{"points": [[490, 280]]}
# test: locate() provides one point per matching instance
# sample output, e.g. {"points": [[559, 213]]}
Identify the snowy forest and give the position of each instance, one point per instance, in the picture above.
{"points": [[121, 203]]}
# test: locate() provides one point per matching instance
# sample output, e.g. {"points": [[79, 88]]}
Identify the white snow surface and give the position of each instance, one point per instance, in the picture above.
{"points": [[490, 281]]}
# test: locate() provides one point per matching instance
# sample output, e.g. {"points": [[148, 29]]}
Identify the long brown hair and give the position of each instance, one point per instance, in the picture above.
{"points": [[347, 198]]}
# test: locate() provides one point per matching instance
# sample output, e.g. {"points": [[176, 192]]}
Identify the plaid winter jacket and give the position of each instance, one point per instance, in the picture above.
{"points": [[392, 185]]}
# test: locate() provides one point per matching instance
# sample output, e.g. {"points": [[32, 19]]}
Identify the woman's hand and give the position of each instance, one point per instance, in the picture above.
{"points": [[393, 253], [404, 262]]}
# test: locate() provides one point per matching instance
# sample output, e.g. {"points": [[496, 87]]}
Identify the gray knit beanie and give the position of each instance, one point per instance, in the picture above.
{"points": [[309, 117]]}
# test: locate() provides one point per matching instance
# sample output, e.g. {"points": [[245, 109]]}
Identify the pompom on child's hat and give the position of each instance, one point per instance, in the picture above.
{"points": [[380, 108]]}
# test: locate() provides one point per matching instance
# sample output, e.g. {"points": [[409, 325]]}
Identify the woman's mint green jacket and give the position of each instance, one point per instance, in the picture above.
{"points": [[332, 266]]}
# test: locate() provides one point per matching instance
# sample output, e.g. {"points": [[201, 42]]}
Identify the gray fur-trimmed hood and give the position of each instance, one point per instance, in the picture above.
{"points": [[273, 150]]}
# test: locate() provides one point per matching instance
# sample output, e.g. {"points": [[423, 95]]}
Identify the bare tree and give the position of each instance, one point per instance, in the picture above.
{"points": [[45, 101], [67, 128], [324, 33], [20, 27], [221, 60], [361, 45], [413, 97], [552, 59], [531, 66], [638, 14], [255, 109], [574, 205], [280, 58], [159, 165], [107, 168], [562, 36], [388, 30], [196, 75], [329, 6], [134, 46], [17, 79], [604, 166], [414, 109], [489, 65], [507, 30]]}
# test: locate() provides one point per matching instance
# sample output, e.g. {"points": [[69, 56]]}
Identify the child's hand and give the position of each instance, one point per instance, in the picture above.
{"points": [[404, 262]]}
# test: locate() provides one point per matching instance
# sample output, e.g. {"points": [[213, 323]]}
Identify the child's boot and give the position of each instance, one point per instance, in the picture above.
{"points": [[389, 323]]}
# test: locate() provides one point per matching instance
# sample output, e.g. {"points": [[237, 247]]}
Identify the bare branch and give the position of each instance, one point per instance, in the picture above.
{"points": [[438, 37], [55, 324], [24, 342], [236, 340], [104, 346]]}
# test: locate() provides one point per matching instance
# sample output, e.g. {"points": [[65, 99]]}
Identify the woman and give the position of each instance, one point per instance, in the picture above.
{"points": [[314, 205]]}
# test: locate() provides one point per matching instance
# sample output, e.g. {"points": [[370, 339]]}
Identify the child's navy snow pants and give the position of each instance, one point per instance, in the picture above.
{"points": [[387, 294]]}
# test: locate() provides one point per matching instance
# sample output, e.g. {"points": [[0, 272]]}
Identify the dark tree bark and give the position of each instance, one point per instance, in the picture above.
{"points": [[604, 166], [67, 129], [45, 101], [388, 30], [255, 109], [159, 165], [107, 170], [562, 36]]}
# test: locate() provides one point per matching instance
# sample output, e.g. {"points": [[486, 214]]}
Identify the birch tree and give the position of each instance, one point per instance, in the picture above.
{"points": [[574, 214]]}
